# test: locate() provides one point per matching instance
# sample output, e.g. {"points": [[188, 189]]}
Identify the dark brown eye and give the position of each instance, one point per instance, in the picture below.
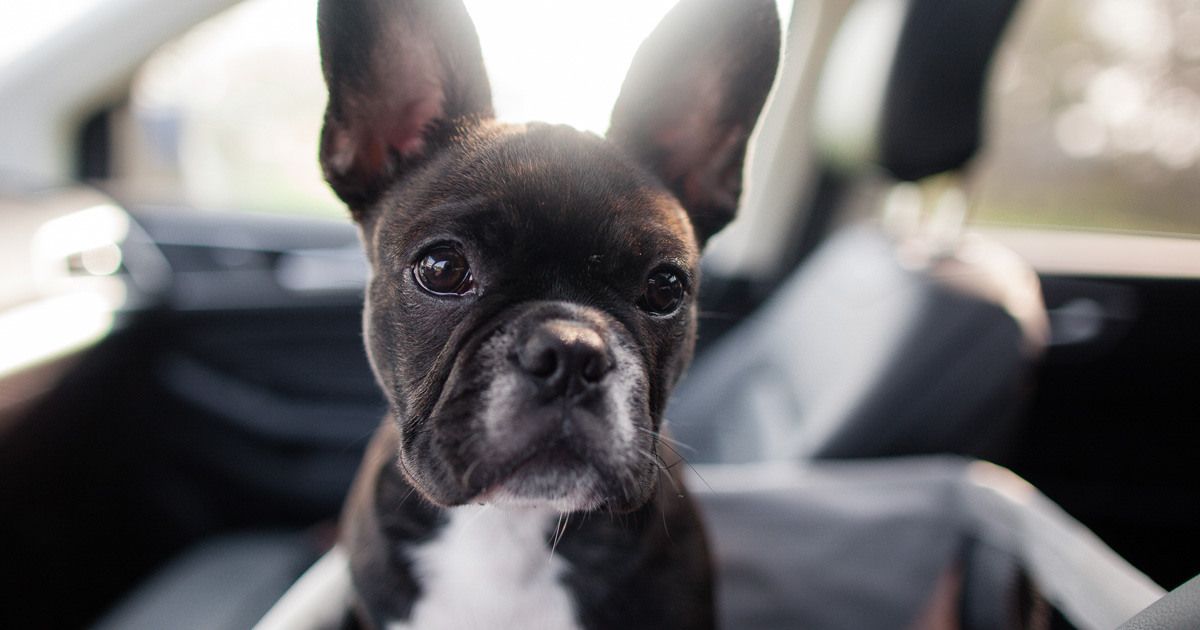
{"points": [[663, 292], [444, 271]]}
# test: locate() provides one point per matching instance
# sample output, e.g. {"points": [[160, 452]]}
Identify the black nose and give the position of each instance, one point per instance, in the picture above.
{"points": [[567, 357]]}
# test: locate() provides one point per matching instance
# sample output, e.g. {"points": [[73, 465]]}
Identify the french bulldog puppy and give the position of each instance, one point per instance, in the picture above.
{"points": [[531, 304]]}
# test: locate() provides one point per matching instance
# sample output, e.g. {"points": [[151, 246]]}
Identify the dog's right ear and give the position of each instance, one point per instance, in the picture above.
{"points": [[402, 75]]}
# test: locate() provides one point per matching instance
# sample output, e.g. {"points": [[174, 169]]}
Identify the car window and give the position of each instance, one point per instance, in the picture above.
{"points": [[26, 24], [228, 114], [1095, 117]]}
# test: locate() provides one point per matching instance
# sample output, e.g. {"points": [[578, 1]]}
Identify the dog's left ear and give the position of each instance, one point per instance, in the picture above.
{"points": [[691, 98]]}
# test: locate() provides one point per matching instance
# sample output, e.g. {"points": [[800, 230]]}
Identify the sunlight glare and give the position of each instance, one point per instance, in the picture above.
{"points": [[564, 62], [23, 24], [561, 62]]}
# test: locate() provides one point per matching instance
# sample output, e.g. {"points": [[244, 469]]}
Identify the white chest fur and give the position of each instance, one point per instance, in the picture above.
{"points": [[491, 568]]}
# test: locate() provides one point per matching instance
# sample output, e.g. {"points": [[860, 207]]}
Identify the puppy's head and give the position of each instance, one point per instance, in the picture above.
{"points": [[532, 294]]}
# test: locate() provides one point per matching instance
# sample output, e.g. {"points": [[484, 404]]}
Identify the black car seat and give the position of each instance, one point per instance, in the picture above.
{"points": [[904, 334]]}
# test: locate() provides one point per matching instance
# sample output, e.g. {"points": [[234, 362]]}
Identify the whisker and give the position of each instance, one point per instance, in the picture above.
{"points": [[466, 478], [469, 442], [653, 457], [559, 531], [693, 468], [674, 482], [362, 437], [666, 529], [401, 502], [666, 439]]}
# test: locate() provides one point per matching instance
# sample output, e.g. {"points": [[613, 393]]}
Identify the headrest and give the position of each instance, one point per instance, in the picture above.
{"points": [[903, 86]]}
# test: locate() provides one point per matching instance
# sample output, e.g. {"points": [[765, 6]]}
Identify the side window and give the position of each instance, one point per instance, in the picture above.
{"points": [[227, 116], [1095, 117]]}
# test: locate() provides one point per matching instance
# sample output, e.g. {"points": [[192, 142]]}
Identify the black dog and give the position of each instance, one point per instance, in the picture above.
{"points": [[531, 306]]}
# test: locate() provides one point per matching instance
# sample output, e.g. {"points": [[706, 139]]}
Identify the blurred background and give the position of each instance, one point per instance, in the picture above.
{"points": [[228, 115], [1096, 117], [1094, 109]]}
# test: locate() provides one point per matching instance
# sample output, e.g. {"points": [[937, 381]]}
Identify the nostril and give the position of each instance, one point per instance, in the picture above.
{"points": [[565, 356], [595, 367], [541, 361]]}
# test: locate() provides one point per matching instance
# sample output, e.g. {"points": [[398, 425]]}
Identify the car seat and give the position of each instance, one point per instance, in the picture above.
{"points": [[899, 335], [897, 544]]}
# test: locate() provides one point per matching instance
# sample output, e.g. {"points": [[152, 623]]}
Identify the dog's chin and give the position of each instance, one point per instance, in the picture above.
{"points": [[553, 482], [571, 501]]}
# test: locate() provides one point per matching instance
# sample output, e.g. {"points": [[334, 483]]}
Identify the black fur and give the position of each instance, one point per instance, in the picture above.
{"points": [[561, 231]]}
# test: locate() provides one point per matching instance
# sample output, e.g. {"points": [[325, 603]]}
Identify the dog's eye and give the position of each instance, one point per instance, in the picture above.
{"points": [[444, 271], [663, 293]]}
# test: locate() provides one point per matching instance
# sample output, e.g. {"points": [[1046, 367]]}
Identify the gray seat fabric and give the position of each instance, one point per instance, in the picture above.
{"points": [[858, 545], [862, 544], [1177, 610], [862, 353], [858, 355]]}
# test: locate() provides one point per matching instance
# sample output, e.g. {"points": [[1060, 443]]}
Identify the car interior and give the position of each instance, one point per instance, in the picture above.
{"points": [[900, 415]]}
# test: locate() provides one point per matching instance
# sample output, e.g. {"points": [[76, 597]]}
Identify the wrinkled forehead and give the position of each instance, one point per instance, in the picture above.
{"points": [[548, 194]]}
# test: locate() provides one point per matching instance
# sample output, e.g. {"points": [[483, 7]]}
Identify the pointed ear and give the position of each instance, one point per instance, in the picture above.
{"points": [[402, 75], [691, 98]]}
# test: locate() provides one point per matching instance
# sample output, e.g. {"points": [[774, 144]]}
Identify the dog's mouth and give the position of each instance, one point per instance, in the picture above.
{"points": [[552, 476]]}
